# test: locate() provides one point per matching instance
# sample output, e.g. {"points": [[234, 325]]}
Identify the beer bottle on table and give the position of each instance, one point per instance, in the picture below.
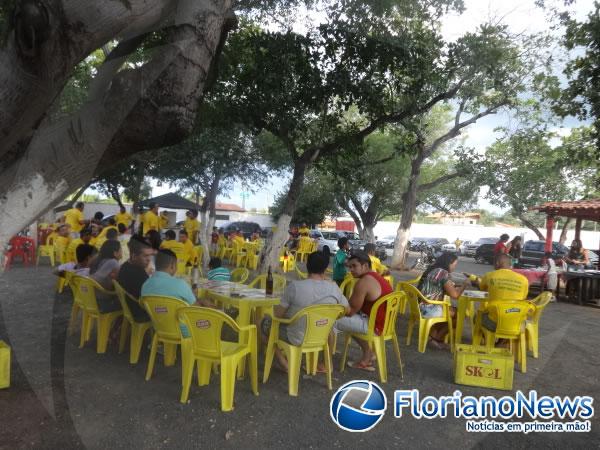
{"points": [[195, 277], [269, 283]]}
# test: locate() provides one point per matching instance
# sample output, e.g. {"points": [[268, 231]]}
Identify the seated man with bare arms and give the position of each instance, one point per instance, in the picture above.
{"points": [[369, 288]]}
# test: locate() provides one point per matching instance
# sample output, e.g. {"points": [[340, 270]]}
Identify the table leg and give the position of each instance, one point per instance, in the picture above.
{"points": [[243, 319], [580, 291], [460, 320]]}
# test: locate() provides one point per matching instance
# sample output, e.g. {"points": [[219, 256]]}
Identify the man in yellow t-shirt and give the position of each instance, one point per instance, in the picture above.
{"points": [[171, 244], [304, 230], [189, 251], [151, 219], [192, 226], [61, 243], [376, 263], [74, 218], [123, 217], [84, 238], [164, 220], [502, 284], [112, 225]]}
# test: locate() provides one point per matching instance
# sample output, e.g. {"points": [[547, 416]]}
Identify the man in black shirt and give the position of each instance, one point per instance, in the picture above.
{"points": [[133, 274]]}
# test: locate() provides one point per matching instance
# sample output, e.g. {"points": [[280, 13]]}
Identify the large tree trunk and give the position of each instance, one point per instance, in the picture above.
{"points": [[280, 236], [565, 229], [149, 107], [409, 201], [532, 227], [369, 234], [208, 221]]}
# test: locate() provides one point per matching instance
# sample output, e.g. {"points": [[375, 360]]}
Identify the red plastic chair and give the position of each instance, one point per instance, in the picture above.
{"points": [[20, 246]]}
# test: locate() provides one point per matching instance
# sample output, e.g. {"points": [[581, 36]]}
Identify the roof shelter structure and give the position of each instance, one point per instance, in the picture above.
{"points": [[580, 210], [170, 201]]}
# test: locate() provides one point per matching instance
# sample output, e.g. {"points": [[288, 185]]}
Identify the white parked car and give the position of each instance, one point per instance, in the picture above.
{"points": [[450, 248], [325, 239]]}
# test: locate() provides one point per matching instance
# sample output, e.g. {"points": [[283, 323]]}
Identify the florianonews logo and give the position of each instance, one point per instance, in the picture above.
{"points": [[358, 406]]}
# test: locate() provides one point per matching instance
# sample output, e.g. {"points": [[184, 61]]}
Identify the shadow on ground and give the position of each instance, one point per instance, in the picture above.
{"points": [[61, 396]]}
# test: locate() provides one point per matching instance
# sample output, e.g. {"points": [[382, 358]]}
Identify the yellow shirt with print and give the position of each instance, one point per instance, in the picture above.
{"points": [[72, 217], [150, 222], [191, 226], [124, 218], [304, 230], [504, 285]]}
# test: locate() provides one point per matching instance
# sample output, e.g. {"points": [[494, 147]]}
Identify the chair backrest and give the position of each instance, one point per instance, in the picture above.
{"points": [[260, 282], [540, 303], [392, 302], [122, 294], [305, 244], [205, 325], [240, 275], [347, 286], [163, 314], [413, 296], [84, 292], [510, 317], [301, 275], [318, 321]]}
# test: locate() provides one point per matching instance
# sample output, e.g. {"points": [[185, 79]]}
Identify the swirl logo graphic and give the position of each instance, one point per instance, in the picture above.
{"points": [[358, 406]]}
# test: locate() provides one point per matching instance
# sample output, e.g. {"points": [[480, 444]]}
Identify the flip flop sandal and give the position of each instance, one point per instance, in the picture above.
{"points": [[361, 365]]}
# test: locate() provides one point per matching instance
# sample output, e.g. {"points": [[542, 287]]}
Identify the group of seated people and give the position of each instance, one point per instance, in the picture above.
{"points": [[501, 284]]}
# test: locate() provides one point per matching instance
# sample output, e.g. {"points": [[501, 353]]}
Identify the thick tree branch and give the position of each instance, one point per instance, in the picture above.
{"points": [[444, 178], [32, 74]]}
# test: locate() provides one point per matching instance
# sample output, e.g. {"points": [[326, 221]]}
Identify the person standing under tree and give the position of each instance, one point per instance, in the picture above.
{"points": [[339, 260]]}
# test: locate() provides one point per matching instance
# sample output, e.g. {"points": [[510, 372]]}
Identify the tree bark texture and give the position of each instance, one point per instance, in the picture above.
{"points": [[409, 201], [148, 107], [280, 236]]}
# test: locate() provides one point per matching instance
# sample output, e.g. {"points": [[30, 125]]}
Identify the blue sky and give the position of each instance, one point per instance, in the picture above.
{"points": [[520, 15]]}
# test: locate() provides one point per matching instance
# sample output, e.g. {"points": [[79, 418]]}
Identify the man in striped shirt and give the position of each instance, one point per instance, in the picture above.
{"points": [[216, 272]]}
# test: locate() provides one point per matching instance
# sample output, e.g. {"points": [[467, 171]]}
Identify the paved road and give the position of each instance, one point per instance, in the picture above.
{"points": [[65, 397]]}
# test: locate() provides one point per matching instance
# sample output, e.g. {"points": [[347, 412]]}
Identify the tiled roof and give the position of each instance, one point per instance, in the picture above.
{"points": [[229, 207], [589, 209]]}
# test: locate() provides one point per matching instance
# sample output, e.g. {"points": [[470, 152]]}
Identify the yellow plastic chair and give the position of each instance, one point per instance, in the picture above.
{"points": [[46, 251], [305, 248], [260, 282], [138, 329], [86, 294], [414, 282], [532, 324], [319, 320], [377, 342], [510, 325], [199, 253], [240, 275], [347, 286], [163, 314], [206, 348], [253, 255], [413, 296], [301, 275], [287, 260]]}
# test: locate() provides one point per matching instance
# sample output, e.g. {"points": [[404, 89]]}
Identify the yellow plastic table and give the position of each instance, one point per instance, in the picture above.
{"points": [[467, 299], [243, 298]]}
